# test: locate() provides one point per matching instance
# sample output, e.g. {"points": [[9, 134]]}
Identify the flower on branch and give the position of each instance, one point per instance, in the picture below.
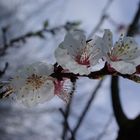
{"points": [[64, 89], [124, 56], [33, 85], [76, 54], [40, 82]]}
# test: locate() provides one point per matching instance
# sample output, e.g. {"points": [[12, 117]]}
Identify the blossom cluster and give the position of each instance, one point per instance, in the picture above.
{"points": [[35, 83], [78, 55]]}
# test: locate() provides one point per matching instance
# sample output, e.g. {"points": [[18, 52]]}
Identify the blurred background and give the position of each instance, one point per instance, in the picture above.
{"points": [[47, 121]]}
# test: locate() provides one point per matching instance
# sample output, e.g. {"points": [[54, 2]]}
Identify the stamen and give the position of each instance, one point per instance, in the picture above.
{"points": [[36, 81]]}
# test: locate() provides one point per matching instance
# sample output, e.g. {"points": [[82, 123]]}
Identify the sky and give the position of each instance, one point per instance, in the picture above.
{"points": [[30, 16]]}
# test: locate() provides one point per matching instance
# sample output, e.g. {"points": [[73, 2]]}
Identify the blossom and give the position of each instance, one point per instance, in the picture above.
{"points": [[76, 54], [124, 56], [64, 89], [34, 84]]}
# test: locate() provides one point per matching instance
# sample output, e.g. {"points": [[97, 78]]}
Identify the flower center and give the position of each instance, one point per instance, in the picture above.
{"points": [[36, 81], [82, 59], [113, 57], [58, 86]]}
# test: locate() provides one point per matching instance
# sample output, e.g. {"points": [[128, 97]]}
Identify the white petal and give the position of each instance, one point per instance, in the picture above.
{"points": [[26, 71], [79, 36], [95, 59], [77, 68], [74, 41], [65, 91], [19, 80], [62, 56], [126, 48], [135, 61], [24, 95], [66, 97], [131, 42], [42, 68], [73, 47], [123, 67], [94, 50], [46, 92], [30, 97], [98, 43], [67, 62], [39, 68], [130, 55]]}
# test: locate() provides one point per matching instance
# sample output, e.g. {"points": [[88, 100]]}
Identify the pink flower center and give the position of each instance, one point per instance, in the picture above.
{"points": [[113, 58], [58, 86], [82, 60]]}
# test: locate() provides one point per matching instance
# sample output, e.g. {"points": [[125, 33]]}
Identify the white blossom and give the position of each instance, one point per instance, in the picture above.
{"points": [[32, 84], [64, 89], [124, 56], [77, 55]]}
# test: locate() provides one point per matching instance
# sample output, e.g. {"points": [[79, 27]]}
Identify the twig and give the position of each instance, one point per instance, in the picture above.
{"points": [[95, 75], [85, 110], [100, 136], [4, 35], [66, 114], [66, 124], [39, 33], [134, 26], [102, 19]]}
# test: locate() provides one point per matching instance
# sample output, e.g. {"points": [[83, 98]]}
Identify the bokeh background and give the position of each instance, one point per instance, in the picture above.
{"points": [[45, 121]]}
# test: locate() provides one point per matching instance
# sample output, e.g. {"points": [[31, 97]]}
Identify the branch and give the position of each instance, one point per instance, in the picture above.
{"points": [[105, 127], [39, 33], [121, 118], [134, 26], [58, 73], [118, 111], [66, 124], [65, 114], [102, 19], [85, 110]]}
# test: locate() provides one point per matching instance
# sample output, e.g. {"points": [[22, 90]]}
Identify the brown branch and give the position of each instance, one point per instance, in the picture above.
{"points": [[74, 77], [58, 73]]}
